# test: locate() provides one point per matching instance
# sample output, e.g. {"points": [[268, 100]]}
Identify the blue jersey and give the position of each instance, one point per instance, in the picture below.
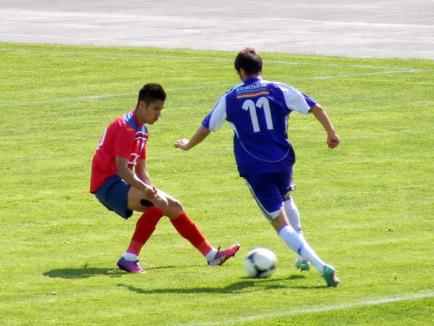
{"points": [[258, 112]]}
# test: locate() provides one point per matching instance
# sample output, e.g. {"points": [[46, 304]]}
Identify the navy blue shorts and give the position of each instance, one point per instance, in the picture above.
{"points": [[113, 194], [269, 191]]}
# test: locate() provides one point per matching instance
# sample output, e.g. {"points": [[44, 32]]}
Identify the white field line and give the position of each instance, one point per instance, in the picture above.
{"points": [[198, 88], [90, 54], [378, 73], [314, 309], [179, 57]]}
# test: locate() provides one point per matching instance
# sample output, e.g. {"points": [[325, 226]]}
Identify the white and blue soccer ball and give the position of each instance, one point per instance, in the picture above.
{"points": [[260, 263]]}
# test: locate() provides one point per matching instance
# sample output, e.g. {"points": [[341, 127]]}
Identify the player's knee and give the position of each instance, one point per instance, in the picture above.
{"points": [[174, 208], [176, 205], [161, 203], [287, 195]]}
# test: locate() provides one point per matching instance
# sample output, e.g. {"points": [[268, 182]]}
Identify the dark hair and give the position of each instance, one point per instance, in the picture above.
{"points": [[249, 60], [151, 92]]}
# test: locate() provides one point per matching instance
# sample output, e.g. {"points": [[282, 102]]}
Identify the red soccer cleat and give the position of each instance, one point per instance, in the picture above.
{"points": [[224, 255]]}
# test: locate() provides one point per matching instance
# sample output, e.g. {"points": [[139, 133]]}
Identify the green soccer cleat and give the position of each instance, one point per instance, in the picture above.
{"points": [[302, 264], [329, 275]]}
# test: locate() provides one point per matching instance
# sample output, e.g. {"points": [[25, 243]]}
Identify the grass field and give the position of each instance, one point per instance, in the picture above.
{"points": [[367, 207]]}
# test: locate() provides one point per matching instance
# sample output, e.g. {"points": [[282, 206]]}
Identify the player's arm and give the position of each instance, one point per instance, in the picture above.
{"points": [[320, 114], [142, 171], [212, 122], [125, 173], [200, 134]]}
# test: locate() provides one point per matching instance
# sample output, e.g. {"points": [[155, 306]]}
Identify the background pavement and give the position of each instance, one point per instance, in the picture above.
{"points": [[368, 28]]}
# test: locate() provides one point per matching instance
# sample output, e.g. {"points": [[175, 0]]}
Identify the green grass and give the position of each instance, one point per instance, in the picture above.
{"points": [[367, 207]]}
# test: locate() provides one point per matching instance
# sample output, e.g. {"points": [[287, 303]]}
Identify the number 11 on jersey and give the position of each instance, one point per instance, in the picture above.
{"points": [[251, 106]]}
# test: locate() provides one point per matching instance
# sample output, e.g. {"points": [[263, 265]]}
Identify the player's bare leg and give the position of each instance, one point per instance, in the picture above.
{"points": [[153, 210], [190, 231], [137, 201]]}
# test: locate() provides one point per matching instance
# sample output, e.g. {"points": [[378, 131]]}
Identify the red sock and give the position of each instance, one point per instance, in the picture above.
{"points": [[191, 232], [145, 226]]}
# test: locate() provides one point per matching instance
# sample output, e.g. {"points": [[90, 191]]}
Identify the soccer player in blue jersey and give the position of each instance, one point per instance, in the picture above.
{"points": [[258, 111]]}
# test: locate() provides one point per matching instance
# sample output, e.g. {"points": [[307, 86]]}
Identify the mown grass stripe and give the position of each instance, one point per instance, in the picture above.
{"points": [[317, 309]]}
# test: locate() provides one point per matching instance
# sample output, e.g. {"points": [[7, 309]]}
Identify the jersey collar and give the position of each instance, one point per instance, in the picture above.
{"points": [[138, 124], [251, 80]]}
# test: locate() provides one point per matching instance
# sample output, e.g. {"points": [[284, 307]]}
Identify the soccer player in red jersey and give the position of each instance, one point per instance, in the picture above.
{"points": [[121, 182]]}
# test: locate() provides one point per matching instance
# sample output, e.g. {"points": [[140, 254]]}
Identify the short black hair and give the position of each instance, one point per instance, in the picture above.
{"points": [[151, 92], [249, 60]]}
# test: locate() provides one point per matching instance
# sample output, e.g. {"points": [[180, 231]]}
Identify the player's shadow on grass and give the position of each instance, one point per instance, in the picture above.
{"points": [[246, 285], [87, 271]]}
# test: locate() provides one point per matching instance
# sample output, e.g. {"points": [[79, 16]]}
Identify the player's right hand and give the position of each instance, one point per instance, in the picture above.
{"points": [[182, 143], [151, 192]]}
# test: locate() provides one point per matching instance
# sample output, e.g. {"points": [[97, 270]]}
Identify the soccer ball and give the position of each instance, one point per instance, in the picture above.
{"points": [[260, 263]]}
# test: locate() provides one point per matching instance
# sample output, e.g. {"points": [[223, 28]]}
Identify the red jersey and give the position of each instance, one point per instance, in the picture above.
{"points": [[124, 137]]}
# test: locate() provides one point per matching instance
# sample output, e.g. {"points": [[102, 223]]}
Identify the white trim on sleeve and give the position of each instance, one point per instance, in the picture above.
{"points": [[218, 114], [294, 99]]}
